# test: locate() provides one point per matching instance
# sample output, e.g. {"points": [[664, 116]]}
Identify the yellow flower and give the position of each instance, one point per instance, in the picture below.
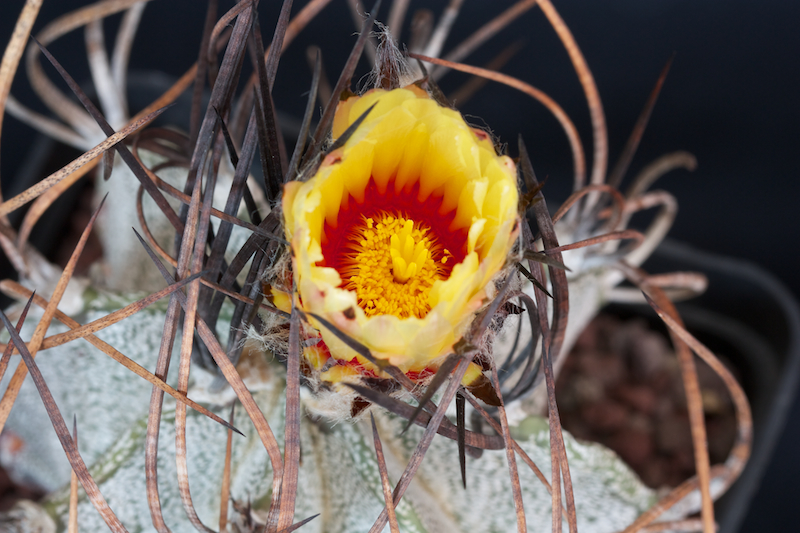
{"points": [[398, 235]]}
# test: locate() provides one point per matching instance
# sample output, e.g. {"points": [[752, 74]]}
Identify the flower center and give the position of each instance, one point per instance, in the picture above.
{"points": [[390, 248], [393, 265]]}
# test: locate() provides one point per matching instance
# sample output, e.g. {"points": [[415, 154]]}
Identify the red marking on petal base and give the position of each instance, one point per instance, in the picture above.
{"points": [[325, 354], [336, 244], [355, 364], [413, 375], [422, 374]]}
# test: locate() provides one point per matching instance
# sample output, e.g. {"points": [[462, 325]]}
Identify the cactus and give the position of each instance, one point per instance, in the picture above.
{"points": [[270, 320]]}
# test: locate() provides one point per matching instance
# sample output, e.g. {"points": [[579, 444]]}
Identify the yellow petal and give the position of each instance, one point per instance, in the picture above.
{"points": [[406, 140]]}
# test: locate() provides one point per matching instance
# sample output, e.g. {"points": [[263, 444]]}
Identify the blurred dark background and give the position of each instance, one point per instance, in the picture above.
{"points": [[730, 99]]}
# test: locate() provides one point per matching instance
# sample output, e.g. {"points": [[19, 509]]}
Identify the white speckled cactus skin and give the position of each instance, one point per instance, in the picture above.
{"points": [[338, 476]]}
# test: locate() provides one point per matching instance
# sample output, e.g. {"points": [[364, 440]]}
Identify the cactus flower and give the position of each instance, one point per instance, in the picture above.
{"points": [[398, 235]]}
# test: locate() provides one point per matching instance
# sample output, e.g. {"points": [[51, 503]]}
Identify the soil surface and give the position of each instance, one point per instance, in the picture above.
{"points": [[621, 386]]}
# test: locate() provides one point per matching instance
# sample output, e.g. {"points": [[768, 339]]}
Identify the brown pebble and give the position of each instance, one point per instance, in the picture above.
{"points": [[663, 381], [634, 446], [640, 421], [588, 390], [676, 476], [606, 369], [664, 406], [577, 427], [649, 353], [673, 433], [606, 415], [684, 460], [639, 397], [654, 472]]}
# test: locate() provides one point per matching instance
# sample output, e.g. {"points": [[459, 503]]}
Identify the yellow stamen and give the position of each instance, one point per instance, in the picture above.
{"points": [[407, 253], [394, 269]]}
